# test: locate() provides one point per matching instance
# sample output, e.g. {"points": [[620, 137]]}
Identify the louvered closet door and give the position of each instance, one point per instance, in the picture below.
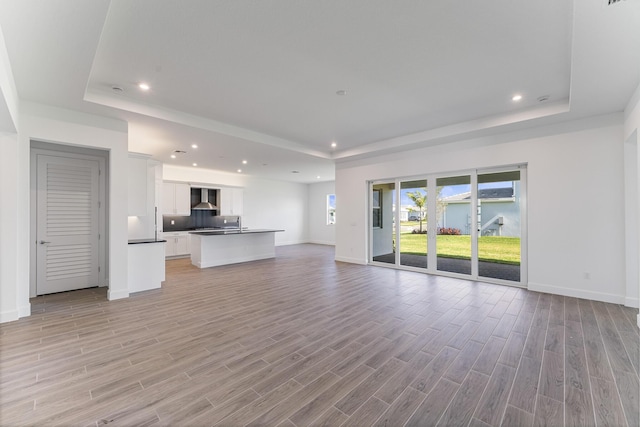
{"points": [[67, 235]]}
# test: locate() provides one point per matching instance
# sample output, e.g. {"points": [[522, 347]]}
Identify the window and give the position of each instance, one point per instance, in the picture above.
{"points": [[331, 209], [376, 204]]}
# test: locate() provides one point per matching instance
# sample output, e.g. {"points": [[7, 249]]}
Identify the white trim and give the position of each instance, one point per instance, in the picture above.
{"points": [[577, 293], [9, 316], [351, 260], [632, 302], [120, 294], [24, 310], [321, 242]]}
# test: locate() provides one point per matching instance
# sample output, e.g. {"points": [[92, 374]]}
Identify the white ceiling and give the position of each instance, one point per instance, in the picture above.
{"points": [[258, 80]]}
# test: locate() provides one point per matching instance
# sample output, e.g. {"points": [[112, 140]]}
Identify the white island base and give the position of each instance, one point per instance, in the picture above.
{"points": [[212, 249]]}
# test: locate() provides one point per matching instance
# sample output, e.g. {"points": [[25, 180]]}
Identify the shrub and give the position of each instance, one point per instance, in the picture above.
{"points": [[449, 231], [417, 231]]}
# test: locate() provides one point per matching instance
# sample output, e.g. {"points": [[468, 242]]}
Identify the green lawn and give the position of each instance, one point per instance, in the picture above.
{"points": [[504, 250]]}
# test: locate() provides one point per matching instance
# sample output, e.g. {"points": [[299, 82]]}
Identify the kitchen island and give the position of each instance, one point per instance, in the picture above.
{"points": [[222, 247]]}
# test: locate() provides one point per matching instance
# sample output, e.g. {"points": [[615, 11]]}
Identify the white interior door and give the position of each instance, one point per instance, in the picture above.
{"points": [[67, 224]]}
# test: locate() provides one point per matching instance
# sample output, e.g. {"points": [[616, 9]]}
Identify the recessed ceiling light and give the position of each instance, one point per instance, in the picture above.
{"points": [[195, 164], [516, 98], [117, 89], [341, 92], [173, 156], [318, 177], [334, 144], [244, 162], [194, 145], [239, 170], [144, 86], [543, 98]]}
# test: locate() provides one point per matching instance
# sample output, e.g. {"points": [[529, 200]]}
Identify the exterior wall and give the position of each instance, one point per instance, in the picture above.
{"points": [[267, 203], [456, 215], [563, 154], [319, 231]]}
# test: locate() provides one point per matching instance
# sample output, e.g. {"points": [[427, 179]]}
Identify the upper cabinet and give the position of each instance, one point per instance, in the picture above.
{"points": [[176, 199], [137, 184], [231, 201]]}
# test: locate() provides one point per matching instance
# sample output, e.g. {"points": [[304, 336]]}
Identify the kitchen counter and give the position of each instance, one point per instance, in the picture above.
{"points": [[212, 248], [232, 231], [140, 241]]}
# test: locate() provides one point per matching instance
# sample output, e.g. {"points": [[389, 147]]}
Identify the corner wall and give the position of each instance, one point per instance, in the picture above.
{"points": [[319, 231], [49, 124], [632, 172], [575, 200]]}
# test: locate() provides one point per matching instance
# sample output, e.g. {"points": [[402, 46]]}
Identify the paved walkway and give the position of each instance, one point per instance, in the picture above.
{"points": [[492, 270]]}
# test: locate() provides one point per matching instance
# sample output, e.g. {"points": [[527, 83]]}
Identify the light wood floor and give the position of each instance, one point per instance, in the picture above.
{"points": [[302, 340]]}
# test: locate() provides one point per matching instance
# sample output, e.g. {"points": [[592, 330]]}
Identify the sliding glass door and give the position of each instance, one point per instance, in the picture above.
{"points": [[499, 225], [453, 233], [464, 225], [413, 223]]}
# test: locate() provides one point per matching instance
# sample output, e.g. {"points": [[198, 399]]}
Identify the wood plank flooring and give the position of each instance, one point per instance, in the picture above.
{"points": [[301, 340]]}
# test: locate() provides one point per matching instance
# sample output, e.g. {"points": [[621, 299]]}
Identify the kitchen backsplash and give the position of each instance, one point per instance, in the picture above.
{"points": [[199, 219]]}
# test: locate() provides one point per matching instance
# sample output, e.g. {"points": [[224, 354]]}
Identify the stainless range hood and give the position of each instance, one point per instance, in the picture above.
{"points": [[204, 204]]}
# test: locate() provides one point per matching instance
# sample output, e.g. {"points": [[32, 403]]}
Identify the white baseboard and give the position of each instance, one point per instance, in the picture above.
{"points": [[24, 310], [577, 293], [111, 295], [9, 316], [321, 242], [351, 260], [632, 302]]}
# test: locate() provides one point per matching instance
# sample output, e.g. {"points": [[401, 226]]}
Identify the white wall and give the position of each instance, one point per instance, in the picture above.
{"points": [[267, 203], [632, 181], [48, 124], [319, 231], [9, 102], [11, 306], [144, 227], [575, 199]]}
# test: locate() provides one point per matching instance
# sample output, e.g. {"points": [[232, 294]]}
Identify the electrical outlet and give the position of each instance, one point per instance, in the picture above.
{"points": [[173, 222]]}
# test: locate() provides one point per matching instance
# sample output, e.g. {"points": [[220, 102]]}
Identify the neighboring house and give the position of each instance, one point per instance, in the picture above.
{"points": [[499, 211]]}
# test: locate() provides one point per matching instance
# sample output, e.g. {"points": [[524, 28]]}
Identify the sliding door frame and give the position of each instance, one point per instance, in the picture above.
{"points": [[432, 223]]}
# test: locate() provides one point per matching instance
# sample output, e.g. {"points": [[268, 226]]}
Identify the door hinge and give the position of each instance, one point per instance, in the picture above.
{"points": [[99, 204], [99, 236], [99, 172], [98, 269]]}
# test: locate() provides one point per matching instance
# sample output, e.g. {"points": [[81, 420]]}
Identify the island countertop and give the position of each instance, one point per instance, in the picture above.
{"points": [[233, 231], [220, 247]]}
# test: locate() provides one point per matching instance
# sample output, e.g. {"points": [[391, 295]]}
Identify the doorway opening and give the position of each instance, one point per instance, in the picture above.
{"points": [[68, 224]]}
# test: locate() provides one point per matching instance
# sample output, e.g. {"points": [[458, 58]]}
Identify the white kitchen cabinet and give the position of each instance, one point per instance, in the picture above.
{"points": [[231, 201], [137, 174], [176, 199], [178, 243]]}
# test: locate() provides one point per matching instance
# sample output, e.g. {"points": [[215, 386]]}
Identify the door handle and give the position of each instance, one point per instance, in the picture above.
{"points": [[42, 242]]}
